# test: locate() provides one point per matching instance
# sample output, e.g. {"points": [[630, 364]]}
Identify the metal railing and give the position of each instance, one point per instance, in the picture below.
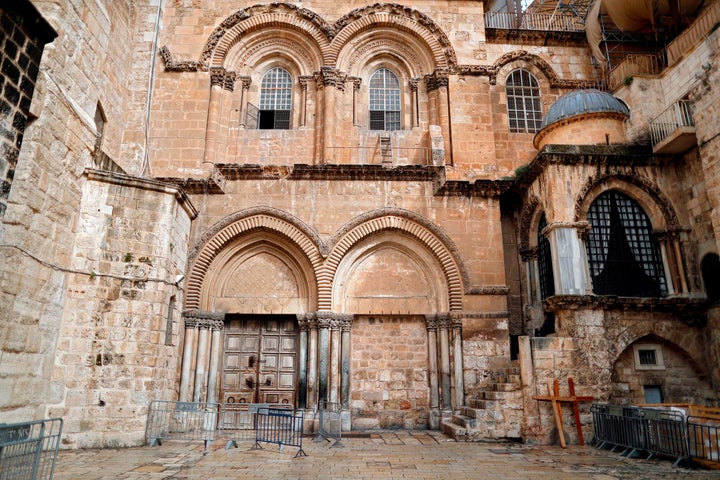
{"points": [[379, 154], [238, 421], [280, 426], [635, 64], [704, 440], [195, 421], [534, 21], [28, 450], [677, 115], [330, 423], [635, 430]]}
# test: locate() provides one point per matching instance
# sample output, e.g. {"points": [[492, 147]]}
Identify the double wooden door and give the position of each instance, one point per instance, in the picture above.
{"points": [[260, 359]]}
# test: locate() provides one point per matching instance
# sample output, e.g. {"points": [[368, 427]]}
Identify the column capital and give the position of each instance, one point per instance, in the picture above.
{"points": [[443, 320], [304, 80], [331, 77], [204, 320], [431, 322], [436, 80]]}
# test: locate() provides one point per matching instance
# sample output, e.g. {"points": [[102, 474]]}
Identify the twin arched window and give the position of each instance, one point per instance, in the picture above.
{"points": [[275, 106], [523, 102]]}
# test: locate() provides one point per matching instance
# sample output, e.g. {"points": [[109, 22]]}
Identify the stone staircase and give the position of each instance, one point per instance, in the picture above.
{"points": [[493, 413]]}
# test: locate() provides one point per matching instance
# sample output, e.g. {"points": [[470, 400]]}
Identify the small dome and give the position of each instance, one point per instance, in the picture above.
{"points": [[580, 102]]}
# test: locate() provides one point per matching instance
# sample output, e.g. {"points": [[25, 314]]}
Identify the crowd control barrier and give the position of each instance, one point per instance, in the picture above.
{"points": [[28, 450]]}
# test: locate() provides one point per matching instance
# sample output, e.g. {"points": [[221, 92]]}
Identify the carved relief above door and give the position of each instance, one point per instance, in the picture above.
{"points": [[260, 359]]}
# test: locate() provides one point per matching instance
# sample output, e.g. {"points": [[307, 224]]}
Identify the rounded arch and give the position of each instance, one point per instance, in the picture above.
{"points": [[277, 15], [532, 63], [257, 47], [225, 241], [529, 220], [663, 332], [426, 35], [420, 229], [655, 204]]}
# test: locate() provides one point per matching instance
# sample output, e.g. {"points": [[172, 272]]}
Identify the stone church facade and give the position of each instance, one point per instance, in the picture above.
{"points": [[401, 208]]}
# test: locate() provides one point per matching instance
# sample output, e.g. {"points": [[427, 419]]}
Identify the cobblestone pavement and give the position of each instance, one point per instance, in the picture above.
{"points": [[387, 455]]}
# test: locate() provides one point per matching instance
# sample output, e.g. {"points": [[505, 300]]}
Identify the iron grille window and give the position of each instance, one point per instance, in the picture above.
{"points": [[384, 101], [647, 357], [523, 102], [623, 258], [275, 100], [547, 281]]}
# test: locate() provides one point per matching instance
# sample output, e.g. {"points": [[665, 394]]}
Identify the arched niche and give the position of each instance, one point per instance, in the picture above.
{"points": [[259, 273], [392, 273]]}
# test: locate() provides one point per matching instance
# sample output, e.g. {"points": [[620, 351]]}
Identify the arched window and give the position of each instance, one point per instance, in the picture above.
{"points": [[624, 259], [711, 276], [547, 280], [523, 102], [275, 100], [384, 101]]}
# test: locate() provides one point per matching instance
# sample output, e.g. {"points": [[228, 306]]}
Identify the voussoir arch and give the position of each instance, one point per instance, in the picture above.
{"points": [[257, 17], [230, 228], [407, 222]]}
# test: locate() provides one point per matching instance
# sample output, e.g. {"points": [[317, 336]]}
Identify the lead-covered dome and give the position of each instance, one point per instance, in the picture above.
{"points": [[583, 117]]}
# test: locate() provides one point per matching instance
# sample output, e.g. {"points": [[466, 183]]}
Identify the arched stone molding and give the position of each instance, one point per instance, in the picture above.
{"points": [[535, 64], [296, 48], [687, 343], [409, 223], [309, 25], [655, 204], [287, 233], [529, 221], [393, 17]]}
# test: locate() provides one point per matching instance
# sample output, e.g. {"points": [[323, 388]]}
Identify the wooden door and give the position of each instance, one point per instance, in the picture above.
{"points": [[260, 360]]}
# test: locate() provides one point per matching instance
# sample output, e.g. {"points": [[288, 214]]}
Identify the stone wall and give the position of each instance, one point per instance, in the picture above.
{"points": [[114, 353]]}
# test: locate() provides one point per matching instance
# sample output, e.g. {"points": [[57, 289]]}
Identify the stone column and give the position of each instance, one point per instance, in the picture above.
{"points": [[216, 352], [356, 94], [304, 325], [312, 369], [187, 375], [335, 80], [570, 268], [213, 117], [245, 84], [431, 326], [199, 347], [459, 382], [324, 319], [335, 336], [438, 88], [303, 80], [345, 363], [445, 383], [414, 103]]}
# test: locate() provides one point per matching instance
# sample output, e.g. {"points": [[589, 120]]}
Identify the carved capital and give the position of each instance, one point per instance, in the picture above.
{"points": [[330, 77], [431, 322], [303, 80], [436, 80]]}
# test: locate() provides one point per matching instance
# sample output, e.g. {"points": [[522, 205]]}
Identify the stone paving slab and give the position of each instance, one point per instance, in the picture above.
{"points": [[388, 455]]}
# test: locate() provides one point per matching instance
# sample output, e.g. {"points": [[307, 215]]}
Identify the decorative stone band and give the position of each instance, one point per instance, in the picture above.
{"points": [[583, 227], [204, 320], [334, 321]]}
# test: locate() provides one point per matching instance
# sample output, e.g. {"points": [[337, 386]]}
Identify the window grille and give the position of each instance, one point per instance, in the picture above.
{"points": [[547, 280], [623, 258], [384, 101], [647, 357], [523, 102], [275, 100]]}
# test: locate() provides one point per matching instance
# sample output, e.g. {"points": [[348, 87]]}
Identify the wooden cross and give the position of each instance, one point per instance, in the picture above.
{"points": [[557, 401]]}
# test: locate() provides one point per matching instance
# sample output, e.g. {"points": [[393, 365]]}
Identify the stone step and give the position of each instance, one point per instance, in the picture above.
{"points": [[464, 421]]}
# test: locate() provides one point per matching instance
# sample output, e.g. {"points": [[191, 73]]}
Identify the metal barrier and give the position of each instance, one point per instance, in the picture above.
{"points": [[330, 423], [280, 426], [238, 421], [704, 440], [181, 421], [28, 450], [636, 430]]}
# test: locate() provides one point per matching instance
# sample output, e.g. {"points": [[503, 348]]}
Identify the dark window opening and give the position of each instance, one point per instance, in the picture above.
{"points": [[711, 276], [623, 258], [547, 280], [647, 357]]}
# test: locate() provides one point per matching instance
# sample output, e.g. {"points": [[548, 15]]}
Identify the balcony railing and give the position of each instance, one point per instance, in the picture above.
{"points": [[534, 21], [379, 155], [635, 64], [673, 131]]}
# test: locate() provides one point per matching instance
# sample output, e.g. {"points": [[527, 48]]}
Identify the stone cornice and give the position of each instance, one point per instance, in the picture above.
{"points": [[476, 188], [689, 310]]}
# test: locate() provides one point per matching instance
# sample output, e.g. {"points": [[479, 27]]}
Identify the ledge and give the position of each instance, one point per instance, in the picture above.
{"points": [[690, 310]]}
